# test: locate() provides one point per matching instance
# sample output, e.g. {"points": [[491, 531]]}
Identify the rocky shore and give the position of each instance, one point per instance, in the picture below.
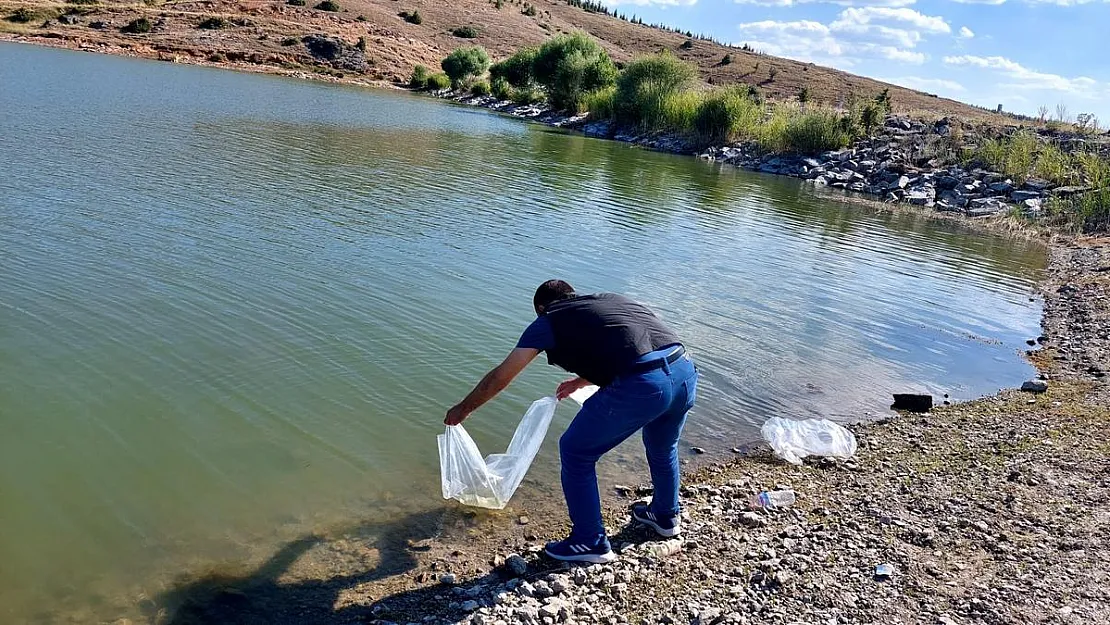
{"points": [[905, 161]]}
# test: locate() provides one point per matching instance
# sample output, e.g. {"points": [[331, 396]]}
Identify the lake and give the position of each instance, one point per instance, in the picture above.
{"points": [[235, 307]]}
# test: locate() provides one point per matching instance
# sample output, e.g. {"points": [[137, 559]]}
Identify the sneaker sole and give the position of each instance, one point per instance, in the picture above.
{"points": [[665, 533], [592, 558]]}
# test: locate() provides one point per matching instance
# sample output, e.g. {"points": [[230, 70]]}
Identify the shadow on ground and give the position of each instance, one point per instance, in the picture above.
{"points": [[260, 597]]}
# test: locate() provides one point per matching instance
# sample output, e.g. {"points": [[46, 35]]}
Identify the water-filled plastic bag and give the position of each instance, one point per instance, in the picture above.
{"points": [[491, 482]]}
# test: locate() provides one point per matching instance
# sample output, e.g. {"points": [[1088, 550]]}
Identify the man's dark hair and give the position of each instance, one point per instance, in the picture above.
{"points": [[550, 291]]}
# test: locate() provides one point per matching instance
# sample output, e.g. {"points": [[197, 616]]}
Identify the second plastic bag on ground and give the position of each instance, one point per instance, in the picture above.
{"points": [[793, 440], [491, 482]]}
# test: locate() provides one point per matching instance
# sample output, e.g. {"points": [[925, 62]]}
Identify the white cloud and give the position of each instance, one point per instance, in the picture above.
{"points": [[844, 3], [1062, 3], [965, 33], [928, 84], [870, 15], [1026, 78], [813, 41]]}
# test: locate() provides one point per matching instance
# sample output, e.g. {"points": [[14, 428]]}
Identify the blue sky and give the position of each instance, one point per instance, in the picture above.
{"points": [[1022, 54]]}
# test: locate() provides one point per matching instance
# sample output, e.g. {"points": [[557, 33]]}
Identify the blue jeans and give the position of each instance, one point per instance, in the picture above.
{"points": [[656, 401]]}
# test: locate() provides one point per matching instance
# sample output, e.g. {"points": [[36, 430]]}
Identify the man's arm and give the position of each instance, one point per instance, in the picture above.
{"points": [[492, 383]]}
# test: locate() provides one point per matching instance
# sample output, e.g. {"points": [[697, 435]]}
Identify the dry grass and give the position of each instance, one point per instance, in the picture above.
{"points": [[396, 46]]}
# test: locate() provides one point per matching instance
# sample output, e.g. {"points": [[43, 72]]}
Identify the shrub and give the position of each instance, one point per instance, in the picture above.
{"points": [[138, 26], [530, 10], [419, 77], [480, 88], [328, 5], [884, 102], [727, 60], [527, 95], [85, 2], [438, 82], [680, 110], [816, 131], [213, 23], [412, 18], [803, 95], [501, 89], [517, 69], [361, 45], [725, 115], [22, 15], [290, 41], [296, 3], [771, 73], [600, 103], [362, 18], [644, 86], [465, 32], [871, 116], [465, 63], [1089, 212], [571, 66], [1053, 164], [688, 44]]}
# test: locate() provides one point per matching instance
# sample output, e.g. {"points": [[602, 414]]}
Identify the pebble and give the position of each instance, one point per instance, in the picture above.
{"points": [[448, 579]]}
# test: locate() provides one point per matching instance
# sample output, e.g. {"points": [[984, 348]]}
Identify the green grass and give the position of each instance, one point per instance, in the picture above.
{"points": [[600, 103], [480, 88], [501, 89], [726, 115], [419, 77], [328, 5], [22, 15]]}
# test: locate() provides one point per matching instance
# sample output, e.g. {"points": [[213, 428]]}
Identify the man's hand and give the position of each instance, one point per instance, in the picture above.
{"points": [[493, 383], [569, 386], [456, 415]]}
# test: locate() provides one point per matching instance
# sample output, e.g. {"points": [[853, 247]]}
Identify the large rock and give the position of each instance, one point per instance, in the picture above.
{"points": [[947, 182], [912, 402], [1004, 187], [1036, 184], [983, 207], [337, 52], [1021, 196]]}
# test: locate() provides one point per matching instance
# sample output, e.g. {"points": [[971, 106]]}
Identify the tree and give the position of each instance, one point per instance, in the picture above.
{"points": [[571, 66], [465, 63], [803, 95], [517, 69]]}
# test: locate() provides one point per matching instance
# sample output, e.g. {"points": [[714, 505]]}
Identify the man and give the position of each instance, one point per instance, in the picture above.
{"points": [[646, 382]]}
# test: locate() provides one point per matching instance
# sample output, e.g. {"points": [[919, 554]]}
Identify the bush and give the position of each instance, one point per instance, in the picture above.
{"points": [[727, 60], [85, 2], [528, 95], [570, 67], [501, 89], [480, 88], [438, 82], [362, 18], [644, 86], [22, 15], [530, 10], [871, 116], [600, 103], [290, 41], [213, 23], [812, 132], [328, 5], [412, 18], [361, 45], [465, 63], [466, 32], [517, 69], [726, 115], [138, 26], [1090, 212], [296, 3], [419, 77], [803, 95], [688, 44]]}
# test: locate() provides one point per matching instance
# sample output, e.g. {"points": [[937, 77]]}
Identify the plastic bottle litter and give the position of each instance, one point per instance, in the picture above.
{"points": [[491, 482], [773, 499], [884, 571], [793, 440]]}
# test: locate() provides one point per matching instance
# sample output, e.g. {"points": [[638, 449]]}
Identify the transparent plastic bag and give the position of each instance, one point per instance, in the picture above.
{"points": [[793, 440], [581, 395], [490, 483]]}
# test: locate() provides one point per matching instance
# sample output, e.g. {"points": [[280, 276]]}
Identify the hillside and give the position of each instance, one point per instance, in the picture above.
{"points": [[266, 36]]}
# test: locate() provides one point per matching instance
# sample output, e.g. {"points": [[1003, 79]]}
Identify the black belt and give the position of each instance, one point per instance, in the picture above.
{"points": [[650, 365]]}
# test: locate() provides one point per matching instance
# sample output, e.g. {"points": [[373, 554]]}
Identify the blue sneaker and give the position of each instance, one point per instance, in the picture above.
{"points": [[667, 527], [571, 550]]}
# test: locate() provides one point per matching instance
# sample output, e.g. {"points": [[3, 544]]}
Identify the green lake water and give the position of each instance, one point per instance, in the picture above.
{"points": [[235, 307]]}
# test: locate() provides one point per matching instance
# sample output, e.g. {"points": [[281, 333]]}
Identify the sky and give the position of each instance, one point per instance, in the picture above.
{"points": [[1022, 54]]}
